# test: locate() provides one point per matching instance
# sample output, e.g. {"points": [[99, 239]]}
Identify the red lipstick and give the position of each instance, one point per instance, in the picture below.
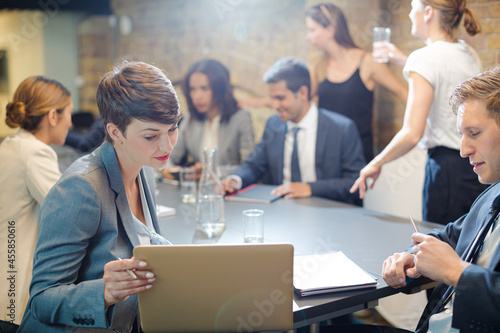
{"points": [[163, 158]]}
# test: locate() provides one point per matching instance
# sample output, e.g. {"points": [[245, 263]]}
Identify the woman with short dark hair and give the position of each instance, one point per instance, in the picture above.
{"points": [[101, 208]]}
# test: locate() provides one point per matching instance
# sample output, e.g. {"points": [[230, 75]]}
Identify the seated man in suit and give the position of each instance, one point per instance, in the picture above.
{"points": [[464, 257], [306, 150]]}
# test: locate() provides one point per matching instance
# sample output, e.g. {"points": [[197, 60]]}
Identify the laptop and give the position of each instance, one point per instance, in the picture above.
{"points": [[217, 288]]}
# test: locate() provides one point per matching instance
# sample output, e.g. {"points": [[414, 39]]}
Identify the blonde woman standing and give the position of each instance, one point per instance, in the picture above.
{"points": [[42, 109], [433, 72]]}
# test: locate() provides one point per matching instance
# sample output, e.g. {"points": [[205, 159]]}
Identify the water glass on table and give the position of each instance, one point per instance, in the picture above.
{"points": [[381, 41], [253, 226], [187, 180]]}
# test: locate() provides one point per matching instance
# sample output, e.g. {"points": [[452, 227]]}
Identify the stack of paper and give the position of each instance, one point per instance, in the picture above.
{"points": [[326, 273]]}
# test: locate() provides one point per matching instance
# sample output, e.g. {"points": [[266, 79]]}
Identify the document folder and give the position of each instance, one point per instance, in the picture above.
{"points": [[327, 273]]}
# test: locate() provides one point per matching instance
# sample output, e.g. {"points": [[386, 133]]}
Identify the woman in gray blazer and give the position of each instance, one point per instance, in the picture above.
{"points": [[101, 208], [214, 119]]}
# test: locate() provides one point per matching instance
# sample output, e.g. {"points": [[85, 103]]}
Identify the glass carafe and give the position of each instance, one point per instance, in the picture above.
{"points": [[210, 218]]}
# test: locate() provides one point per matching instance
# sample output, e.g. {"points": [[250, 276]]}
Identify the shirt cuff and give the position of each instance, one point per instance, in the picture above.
{"points": [[238, 181]]}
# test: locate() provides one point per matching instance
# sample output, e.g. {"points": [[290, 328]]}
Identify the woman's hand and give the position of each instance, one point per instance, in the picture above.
{"points": [[119, 283], [372, 171], [395, 55]]}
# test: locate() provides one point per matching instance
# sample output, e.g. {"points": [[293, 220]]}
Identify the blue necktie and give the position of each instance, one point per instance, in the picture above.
{"points": [[296, 177]]}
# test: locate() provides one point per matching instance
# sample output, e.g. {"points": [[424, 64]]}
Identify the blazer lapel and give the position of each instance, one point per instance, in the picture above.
{"points": [[196, 137], [150, 198], [221, 142], [116, 182], [321, 137], [279, 150]]}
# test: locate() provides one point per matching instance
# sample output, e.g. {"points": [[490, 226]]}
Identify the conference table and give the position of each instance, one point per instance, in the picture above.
{"points": [[313, 226]]}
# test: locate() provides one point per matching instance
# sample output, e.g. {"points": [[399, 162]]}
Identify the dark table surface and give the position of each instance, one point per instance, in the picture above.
{"points": [[313, 226]]}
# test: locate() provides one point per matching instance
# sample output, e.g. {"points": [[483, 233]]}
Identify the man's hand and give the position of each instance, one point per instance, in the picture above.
{"points": [[120, 284], [229, 185], [437, 260], [369, 171], [396, 267], [293, 190]]}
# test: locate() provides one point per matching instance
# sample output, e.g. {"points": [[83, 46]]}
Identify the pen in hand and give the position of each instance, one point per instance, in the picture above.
{"points": [[132, 274], [413, 224]]}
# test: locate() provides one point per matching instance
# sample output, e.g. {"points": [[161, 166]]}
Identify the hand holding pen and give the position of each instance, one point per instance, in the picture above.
{"points": [[125, 277], [399, 269]]}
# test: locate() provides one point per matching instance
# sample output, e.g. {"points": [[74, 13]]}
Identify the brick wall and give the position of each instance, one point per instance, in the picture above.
{"points": [[248, 36], [96, 57]]}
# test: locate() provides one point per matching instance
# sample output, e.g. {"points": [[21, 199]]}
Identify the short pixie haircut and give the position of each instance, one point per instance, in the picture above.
{"points": [[294, 72], [484, 87], [136, 90]]}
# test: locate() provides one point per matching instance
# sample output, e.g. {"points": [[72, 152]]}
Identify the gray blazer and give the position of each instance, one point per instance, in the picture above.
{"points": [[236, 140], [85, 222]]}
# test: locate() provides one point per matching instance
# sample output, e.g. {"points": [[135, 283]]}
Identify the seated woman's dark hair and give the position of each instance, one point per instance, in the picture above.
{"points": [[222, 91]]}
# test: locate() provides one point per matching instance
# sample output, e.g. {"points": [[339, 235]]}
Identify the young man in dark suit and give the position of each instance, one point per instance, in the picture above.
{"points": [[306, 150], [464, 257]]}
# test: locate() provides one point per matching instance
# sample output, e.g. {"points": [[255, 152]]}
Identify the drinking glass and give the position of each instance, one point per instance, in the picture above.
{"points": [[253, 225], [381, 40], [187, 179]]}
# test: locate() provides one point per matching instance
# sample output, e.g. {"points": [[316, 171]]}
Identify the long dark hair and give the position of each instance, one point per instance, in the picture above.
{"points": [[222, 91]]}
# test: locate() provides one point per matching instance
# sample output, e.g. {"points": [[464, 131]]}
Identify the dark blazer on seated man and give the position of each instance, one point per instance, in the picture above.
{"points": [[328, 151], [464, 257], [338, 156]]}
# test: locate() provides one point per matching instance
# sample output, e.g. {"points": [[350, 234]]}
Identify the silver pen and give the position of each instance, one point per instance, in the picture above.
{"points": [[413, 224], [132, 274]]}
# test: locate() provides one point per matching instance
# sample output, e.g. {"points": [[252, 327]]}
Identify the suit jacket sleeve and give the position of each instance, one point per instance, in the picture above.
{"points": [[89, 140], [180, 154], [341, 151], [57, 293], [257, 163], [477, 296], [247, 139], [235, 142]]}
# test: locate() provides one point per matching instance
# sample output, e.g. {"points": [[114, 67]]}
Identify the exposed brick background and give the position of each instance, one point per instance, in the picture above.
{"points": [[250, 35]]}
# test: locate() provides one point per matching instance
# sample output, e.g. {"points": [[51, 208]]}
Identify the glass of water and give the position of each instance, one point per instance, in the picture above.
{"points": [[187, 179], [253, 225], [381, 40]]}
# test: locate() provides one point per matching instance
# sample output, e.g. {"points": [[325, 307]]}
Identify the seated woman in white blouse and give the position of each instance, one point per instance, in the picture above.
{"points": [[214, 120], [41, 108]]}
